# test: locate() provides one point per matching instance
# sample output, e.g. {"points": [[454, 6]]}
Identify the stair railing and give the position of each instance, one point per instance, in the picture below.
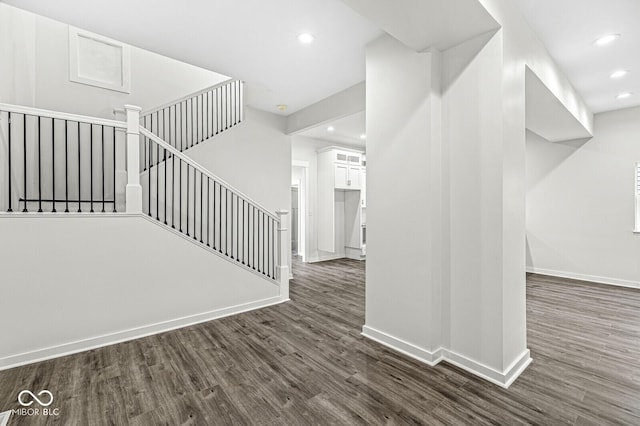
{"points": [[58, 162], [54, 161], [197, 117], [183, 195]]}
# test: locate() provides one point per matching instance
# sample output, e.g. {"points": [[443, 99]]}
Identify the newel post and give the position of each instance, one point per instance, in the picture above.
{"points": [[283, 256], [134, 190]]}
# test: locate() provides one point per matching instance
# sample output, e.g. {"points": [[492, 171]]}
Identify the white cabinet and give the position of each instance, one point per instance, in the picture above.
{"points": [[346, 177], [346, 169], [341, 176]]}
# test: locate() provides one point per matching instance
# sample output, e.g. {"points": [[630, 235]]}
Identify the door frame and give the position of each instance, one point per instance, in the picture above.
{"points": [[303, 208]]}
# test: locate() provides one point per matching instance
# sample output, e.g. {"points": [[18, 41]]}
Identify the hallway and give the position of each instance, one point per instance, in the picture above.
{"points": [[304, 362]]}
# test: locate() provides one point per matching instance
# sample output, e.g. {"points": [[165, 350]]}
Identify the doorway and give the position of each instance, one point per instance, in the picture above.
{"points": [[299, 206]]}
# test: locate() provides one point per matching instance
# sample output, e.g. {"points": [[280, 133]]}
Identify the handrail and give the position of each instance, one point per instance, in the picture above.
{"points": [[189, 96], [204, 171], [62, 116]]}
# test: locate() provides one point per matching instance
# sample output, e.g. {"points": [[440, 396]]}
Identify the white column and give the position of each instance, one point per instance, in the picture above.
{"points": [[121, 161], [283, 257], [134, 190]]}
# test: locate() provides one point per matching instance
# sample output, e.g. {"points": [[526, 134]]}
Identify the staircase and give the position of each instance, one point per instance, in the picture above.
{"points": [[197, 117], [66, 164]]}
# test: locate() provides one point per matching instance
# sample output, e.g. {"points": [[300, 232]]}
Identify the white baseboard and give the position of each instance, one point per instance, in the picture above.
{"points": [[354, 253], [317, 259], [503, 379], [584, 277], [402, 346], [131, 334]]}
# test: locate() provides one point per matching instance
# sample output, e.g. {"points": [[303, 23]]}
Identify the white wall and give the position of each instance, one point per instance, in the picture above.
{"points": [[477, 232], [472, 129], [35, 71], [338, 105], [403, 160], [305, 149], [254, 157], [98, 282], [522, 46], [580, 203], [17, 50]]}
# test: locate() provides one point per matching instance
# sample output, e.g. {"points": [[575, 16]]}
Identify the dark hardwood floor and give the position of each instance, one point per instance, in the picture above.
{"points": [[305, 363]]}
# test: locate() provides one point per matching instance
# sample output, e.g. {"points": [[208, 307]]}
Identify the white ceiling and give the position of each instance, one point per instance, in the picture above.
{"points": [[346, 131], [254, 40], [421, 24], [568, 29], [546, 115]]}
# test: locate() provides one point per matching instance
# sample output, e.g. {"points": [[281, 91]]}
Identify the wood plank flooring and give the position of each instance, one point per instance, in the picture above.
{"points": [[305, 363]]}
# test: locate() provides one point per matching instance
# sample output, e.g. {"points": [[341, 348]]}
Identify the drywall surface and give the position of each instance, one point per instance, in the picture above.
{"points": [[341, 104], [421, 24], [472, 110], [400, 158], [522, 46], [100, 279], [580, 203], [38, 71], [254, 157], [17, 50]]}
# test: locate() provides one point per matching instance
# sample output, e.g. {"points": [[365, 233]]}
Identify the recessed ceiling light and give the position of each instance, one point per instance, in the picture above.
{"points": [[306, 38], [363, 136], [624, 95], [330, 129], [607, 39], [281, 107], [619, 73]]}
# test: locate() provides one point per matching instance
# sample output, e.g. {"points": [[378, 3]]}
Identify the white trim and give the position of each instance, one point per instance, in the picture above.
{"points": [[637, 193], [189, 96], [62, 115], [354, 253], [204, 171], [125, 58], [402, 346], [300, 163], [584, 277], [303, 223], [503, 379], [317, 259], [131, 334]]}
